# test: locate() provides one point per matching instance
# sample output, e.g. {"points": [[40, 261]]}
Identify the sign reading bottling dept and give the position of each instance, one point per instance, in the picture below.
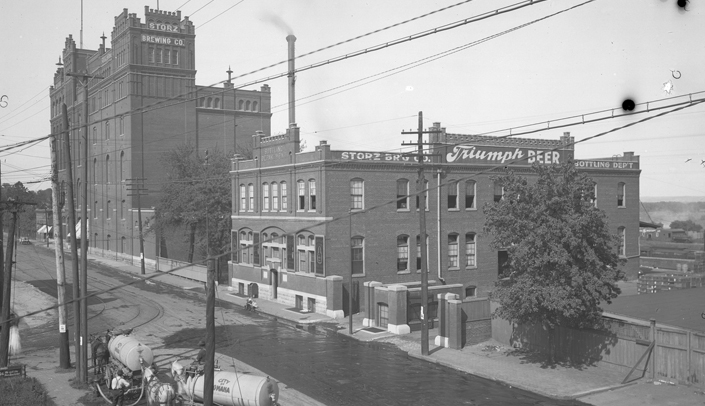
{"points": [[597, 164], [491, 154]]}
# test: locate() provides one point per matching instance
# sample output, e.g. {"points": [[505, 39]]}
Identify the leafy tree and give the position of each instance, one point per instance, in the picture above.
{"points": [[26, 220], [563, 260], [196, 196], [687, 225]]}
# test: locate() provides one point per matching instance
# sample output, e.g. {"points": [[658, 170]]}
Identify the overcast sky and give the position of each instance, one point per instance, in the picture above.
{"points": [[588, 59]]}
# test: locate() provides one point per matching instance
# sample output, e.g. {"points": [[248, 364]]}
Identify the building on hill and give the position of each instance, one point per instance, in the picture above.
{"points": [[294, 242], [142, 100]]}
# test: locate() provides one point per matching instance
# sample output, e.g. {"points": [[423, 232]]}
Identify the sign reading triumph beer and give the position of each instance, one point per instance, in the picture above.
{"points": [[491, 154]]}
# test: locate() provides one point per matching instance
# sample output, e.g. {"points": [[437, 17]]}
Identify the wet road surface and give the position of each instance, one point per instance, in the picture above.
{"points": [[339, 371]]}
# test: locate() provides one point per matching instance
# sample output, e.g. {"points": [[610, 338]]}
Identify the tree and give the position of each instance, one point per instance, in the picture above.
{"points": [[563, 260], [196, 196], [686, 225]]}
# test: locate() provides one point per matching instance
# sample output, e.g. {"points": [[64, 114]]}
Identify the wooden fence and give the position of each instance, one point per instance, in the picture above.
{"points": [[677, 356]]}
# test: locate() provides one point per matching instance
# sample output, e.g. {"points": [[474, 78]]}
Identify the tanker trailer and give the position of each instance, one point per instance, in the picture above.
{"points": [[128, 351], [235, 389]]}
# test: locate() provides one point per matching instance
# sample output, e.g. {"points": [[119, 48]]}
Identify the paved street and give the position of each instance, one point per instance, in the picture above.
{"points": [[319, 364]]}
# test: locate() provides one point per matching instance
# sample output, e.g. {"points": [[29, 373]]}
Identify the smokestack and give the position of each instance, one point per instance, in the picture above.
{"points": [[292, 94]]}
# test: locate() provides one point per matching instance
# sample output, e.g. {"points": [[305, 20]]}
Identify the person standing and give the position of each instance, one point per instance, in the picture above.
{"points": [[201, 356], [119, 385]]}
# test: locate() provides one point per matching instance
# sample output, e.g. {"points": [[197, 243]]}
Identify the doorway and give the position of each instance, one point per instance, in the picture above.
{"points": [[382, 315], [274, 281]]}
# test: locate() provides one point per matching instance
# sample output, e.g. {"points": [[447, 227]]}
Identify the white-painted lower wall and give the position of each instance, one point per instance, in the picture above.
{"points": [[287, 297]]}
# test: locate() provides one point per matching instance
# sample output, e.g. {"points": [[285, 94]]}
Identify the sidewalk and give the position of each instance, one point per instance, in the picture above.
{"points": [[490, 360]]}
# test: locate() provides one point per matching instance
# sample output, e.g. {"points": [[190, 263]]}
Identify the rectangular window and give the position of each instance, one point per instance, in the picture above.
{"points": [[251, 197], [302, 195], [470, 250], [622, 245], [418, 254], [167, 56], [312, 195], [452, 250], [150, 54], [311, 262], [175, 57], [302, 260], [159, 55], [402, 194], [452, 195], [265, 197], [356, 191], [357, 248], [469, 194], [284, 197], [275, 196]]}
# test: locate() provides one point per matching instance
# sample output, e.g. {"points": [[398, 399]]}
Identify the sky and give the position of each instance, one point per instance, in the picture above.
{"points": [[588, 59]]}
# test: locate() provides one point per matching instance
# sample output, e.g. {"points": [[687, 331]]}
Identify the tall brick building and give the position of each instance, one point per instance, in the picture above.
{"points": [[143, 102], [287, 248]]}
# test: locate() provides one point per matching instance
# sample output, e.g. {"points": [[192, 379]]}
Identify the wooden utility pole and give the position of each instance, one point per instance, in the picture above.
{"points": [[81, 362], [2, 260], [6, 293], [421, 193], [210, 334], [64, 353], [138, 187]]}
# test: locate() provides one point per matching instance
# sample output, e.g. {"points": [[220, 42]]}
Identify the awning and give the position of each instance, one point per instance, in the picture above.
{"points": [[644, 224], [78, 231], [45, 229]]}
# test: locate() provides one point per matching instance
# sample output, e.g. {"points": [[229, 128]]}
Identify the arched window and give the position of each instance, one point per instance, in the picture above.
{"points": [[469, 194], [285, 200], [251, 197], [452, 250], [122, 165], [95, 170], [240, 104], [425, 187], [201, 102], [243, 197], [265, 198], [470, 250], [108, 210], [402, 194], [498, 191], [95, 135], [107, 242], [275, 196], [357, 253], [301, 188], [402, 253], [621, 192], [357, 188], [312, 194], [453, 195], [254, 106], [122, 245], [246, 247], [122, 209], [208, 102], [107, 169], [216, 103], [107, 130], [247, 105]]}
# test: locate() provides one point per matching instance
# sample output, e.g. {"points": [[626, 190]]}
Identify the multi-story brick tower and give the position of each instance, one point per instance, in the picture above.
{"points": [[142, 101]]}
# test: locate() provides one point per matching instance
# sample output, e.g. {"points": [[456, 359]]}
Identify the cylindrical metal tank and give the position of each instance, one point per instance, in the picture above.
{"points": [[128, 351], [237, 389]]}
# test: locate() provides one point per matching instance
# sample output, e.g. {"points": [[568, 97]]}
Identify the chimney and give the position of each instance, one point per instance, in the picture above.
{"points": [[292, 95]]}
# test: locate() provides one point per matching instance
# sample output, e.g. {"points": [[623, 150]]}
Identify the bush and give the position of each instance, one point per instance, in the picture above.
{"points": [[23, 392]]}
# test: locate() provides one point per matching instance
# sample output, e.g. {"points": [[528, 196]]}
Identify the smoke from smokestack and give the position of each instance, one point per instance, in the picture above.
{"points": [[277, 22]]}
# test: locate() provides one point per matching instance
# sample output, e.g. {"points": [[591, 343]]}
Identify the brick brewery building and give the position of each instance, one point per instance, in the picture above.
{"points": [[145, 103], [287, 249]]}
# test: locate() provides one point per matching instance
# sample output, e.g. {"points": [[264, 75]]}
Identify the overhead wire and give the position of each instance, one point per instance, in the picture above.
{"points": [[349, 215]]}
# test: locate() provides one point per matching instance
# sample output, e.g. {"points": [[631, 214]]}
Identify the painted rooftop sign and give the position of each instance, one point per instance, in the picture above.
{"points": [[492, 154]]}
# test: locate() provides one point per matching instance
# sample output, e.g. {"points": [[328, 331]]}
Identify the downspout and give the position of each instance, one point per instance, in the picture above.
{"points": [[438, 226]]}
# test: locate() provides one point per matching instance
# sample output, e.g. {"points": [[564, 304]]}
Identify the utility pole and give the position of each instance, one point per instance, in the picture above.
{"points": [[2, 260], [5, 320], [421, 193], [137, 185], [64, 353], [79, 342], [6, 292], [210, 334], [83, 303]]}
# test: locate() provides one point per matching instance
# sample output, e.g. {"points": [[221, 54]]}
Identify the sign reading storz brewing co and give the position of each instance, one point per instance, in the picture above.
{"points": [[158, 39], [376, 156], [490, 154]]}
